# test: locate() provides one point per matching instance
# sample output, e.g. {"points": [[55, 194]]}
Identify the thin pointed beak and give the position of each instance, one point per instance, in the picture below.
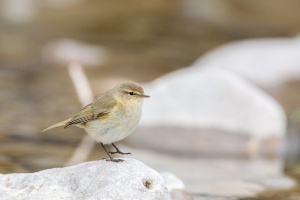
{"points": [[144, 96]]}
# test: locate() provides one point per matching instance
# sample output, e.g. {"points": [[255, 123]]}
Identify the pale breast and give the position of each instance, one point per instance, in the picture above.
{"points": [[116, 126]]}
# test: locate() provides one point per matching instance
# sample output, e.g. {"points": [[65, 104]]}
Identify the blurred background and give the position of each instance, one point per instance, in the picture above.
{"points": [[140, 40]]}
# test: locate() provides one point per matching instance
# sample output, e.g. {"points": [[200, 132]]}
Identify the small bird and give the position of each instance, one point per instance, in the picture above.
{"points": [[111, 117]]}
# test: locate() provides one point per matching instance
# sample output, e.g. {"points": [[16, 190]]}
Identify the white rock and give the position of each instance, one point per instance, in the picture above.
{"points": [[265, 62], [212, 98], [91, 180], [172, 182]]}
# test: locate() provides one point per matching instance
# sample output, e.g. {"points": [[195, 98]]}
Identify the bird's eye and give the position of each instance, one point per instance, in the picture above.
{"points": [[131, 93]]}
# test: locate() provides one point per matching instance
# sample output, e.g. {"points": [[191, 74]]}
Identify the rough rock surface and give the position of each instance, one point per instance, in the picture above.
{"points": [[91, 180]]}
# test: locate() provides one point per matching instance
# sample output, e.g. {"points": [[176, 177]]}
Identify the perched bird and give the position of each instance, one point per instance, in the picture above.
{"points": [[111, 117]]}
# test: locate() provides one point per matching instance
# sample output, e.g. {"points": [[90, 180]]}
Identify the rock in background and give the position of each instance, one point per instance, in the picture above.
{"points": [[270, 63], [273, 64], [193, 111]]}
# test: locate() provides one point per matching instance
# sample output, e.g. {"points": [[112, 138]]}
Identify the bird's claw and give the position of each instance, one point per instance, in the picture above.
{"points": [[120, 152]]}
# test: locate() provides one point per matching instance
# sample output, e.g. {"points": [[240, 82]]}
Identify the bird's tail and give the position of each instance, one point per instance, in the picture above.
{"points": [[63, 123]]}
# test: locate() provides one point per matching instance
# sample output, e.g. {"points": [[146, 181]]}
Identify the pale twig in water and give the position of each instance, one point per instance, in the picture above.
{"points": [[85, 96]]}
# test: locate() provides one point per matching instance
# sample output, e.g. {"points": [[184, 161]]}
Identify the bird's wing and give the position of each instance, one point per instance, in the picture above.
{"points": [[100, 108]]}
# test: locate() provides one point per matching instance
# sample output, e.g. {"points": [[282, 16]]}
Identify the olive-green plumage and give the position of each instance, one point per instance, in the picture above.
{"points": [[101, 107], [112, 116]]}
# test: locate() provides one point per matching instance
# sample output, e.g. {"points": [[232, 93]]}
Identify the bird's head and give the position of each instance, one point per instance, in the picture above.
{"points": [[131, 91]]}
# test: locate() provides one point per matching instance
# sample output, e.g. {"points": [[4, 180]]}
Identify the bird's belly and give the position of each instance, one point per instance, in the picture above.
{"points": [[113, 128]]}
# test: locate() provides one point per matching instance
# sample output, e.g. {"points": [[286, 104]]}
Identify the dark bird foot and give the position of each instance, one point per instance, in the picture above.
{"points": [[111, 159], [120, 152]]}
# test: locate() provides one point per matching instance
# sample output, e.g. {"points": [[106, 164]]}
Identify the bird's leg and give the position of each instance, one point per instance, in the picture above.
{"points": [[110, 158], [118, 151]]}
